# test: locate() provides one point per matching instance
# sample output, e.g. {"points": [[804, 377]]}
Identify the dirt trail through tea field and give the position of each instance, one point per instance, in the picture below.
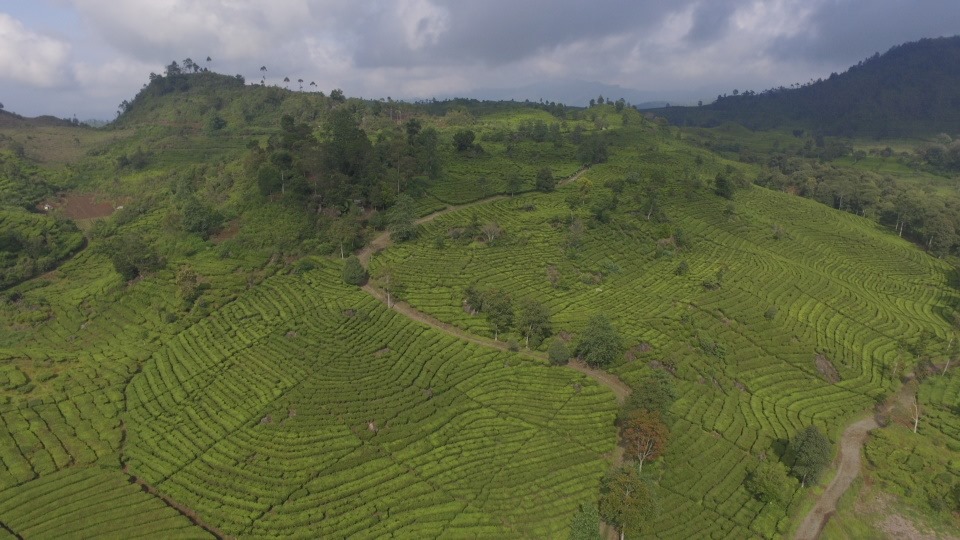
{"points": [[851, 445], [382, 241]]}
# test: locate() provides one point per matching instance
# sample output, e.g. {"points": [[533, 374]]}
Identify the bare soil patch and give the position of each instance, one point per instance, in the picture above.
{"points": [[83, 206], [826, 368], [229, 231]]}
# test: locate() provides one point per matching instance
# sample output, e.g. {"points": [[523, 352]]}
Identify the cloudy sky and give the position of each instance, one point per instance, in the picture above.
{"points": [[83, 57]]}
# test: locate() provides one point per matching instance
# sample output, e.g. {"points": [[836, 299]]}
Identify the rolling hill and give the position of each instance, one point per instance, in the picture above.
{"points": [[911, 90], [204, 346]]}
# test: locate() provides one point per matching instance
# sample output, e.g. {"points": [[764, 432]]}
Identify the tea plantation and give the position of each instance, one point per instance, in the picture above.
{"points": [[195, 365], [301, 407], [805, 326]]}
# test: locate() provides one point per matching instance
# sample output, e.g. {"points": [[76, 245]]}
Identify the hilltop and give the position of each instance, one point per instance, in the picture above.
{"points": [[911, 90]]}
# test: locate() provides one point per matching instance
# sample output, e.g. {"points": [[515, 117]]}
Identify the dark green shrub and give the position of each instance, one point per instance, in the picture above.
{"points": [[558, 353], [354, 273]]}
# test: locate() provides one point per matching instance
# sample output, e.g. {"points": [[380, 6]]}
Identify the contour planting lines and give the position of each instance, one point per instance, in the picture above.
{"points": [[306, 407], [844, 290]]}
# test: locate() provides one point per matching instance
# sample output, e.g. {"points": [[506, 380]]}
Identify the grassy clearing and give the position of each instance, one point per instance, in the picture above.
{"points": [[57, 146]]}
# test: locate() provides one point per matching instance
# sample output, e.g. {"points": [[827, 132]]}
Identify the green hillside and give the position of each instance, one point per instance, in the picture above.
{"points": [[189, 329], [909, 91], [800, 283]]}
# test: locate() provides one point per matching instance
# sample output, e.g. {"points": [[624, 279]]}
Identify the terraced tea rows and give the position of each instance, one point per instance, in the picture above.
{"points": [[308, 408], [89, 503], [846, 296], [62, 401]]}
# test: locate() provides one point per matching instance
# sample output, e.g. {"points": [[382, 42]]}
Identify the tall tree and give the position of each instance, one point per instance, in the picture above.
{"points": [[644, 437], [724, 186], [499, 309], [514, 183], [654, 393], [389, 281], [354, 273], [463, 140], [401, 219], [545, 180], [627, 502], [534, 322], [811, 453], [600, 344], [345, 231], [769, 482]]}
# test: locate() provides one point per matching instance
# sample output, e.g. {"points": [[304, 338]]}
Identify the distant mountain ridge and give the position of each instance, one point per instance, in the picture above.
{"points": [[13, 120], [911, 90], [571, 92]]}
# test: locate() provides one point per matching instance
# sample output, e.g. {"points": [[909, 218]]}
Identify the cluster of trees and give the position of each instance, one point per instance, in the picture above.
{"points": [[600, 344], [807, 456], [591, 149], [31, 245], [941, 155], [529, 318], [628, 499], [340, 167], [618, 105], [130, 255], [930, 218]]}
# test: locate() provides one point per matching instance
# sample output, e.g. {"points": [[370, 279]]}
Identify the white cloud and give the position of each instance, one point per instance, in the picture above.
{"points": [[423, 23], [225, 29], [117, 77], [29, 57], [683, 50]]}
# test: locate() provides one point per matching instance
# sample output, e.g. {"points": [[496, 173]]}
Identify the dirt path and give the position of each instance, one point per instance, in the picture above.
{"points": [[618, 387], [851, 445], [382, 241], [608, 380]]}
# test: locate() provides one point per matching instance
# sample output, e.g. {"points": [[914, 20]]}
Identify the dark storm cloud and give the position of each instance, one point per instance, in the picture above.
{"points": [[711, 20], [498, 32], [841, 33], [65, 56]]}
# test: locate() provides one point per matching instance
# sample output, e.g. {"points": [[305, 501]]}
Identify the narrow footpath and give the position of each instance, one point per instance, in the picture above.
{"points": [[608, 380], [851, 446], [382, 241]]}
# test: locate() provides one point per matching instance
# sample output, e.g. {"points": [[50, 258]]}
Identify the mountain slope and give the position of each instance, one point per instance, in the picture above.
{"points": [[912, 89]]}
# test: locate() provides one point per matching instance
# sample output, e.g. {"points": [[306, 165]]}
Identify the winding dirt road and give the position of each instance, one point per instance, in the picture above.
{"points": [[851, 442], [851, 445], [382, 241]]}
